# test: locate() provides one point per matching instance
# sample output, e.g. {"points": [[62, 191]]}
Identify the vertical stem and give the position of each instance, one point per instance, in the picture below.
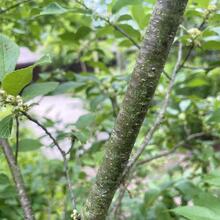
{"points": [[153, 54], [18, 179], [17, 139]]}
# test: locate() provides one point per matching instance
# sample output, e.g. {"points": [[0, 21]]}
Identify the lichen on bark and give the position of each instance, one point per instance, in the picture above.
{"points": [[153, 53]]}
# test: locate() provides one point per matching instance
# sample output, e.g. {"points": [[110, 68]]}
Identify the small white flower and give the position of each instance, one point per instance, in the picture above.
{"points": [[2, 92], [10, 98], [194, 32], [212, 8]]}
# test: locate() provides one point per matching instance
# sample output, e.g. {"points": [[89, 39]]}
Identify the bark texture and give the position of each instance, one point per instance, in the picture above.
{"points": [[18, 179], [153, 54]]}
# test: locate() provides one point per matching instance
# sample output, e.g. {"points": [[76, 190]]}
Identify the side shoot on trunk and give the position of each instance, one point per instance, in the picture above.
{"points": [[153, 54]]}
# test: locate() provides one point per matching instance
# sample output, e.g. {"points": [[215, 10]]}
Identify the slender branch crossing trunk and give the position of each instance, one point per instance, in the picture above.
{"points": [[18, 179], [153, 54]]}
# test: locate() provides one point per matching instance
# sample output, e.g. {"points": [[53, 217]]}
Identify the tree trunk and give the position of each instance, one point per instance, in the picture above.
{"points": [[153, 54], [18, 179]]}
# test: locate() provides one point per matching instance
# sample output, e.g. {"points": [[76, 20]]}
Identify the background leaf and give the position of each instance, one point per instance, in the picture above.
{"points": [[38, 89], [6, 126], [196, 213], [120, 4], [29, 145], [15, 81], [53, 9], [9, 53]]}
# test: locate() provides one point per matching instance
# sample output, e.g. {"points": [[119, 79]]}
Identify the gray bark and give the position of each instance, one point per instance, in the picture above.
{"points": [[18, 179], [153, 54]]}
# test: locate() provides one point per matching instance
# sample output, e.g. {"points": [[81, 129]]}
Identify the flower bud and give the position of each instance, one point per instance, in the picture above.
{"points": [[194, 32], [3, 94], [10, 99], [212, 8]]}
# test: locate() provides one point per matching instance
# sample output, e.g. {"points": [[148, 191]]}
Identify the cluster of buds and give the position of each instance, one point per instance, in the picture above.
{"points": [[212, 8], [194, 32], [15, 101], [75, 215]]}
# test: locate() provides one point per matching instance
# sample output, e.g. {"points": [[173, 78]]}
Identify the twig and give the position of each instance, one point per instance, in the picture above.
{"points": [[201, 26], [108, 21], [18, 179], [117, 205], [117, 28], [207, 69], [190, 137], [167, 75], [17, 139], [63, 153], [14, 6], [46, 131], [164, 154]]}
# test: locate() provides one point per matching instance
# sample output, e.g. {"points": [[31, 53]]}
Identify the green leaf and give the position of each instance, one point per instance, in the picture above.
{"points": [[4, 180], [209, 201], [85, 121], [196, 213], [82, 32], [53, 9], [26, 145], [215, 116], [69, 87], [125, 17], [200, 3], [162, 212], [38, 89], [44, 59], [8, 192], [187, 189], [122, 3], [214, 177], [216, 30], [129, 30], [15, 81], [6, 126], [9, 53], [184, 105], [211, 43], [150, 197], [82, 135], [197, 82], [138, 14]]}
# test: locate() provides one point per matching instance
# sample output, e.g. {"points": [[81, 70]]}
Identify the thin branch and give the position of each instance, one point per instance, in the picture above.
{"points": [[46, 131], [117, 28], [167, 75], [17, 139], [207, 69], [18, 179], [14, 6], [201, 26], [63, 153], [117, 205], [108, 21], [158, 156], [164, 154]]}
